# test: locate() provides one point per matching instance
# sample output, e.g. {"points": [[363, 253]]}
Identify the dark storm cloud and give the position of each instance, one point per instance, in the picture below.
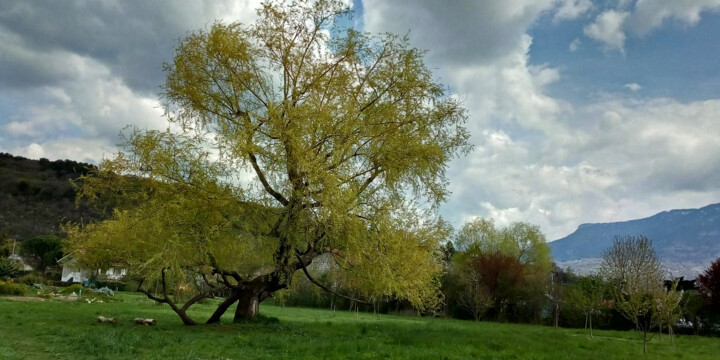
{"points": [[132, 38], [22, 69]]}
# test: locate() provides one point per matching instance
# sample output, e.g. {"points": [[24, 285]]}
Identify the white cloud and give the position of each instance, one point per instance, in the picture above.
{"points": [[635, 87], [574, 45], [492, 73], [657, 144], [651, 14], [608, 29], [94, 105], [468, 32], [77, 149], [84, 71], [639, 157], [572, 9], [611, 26], [34, 151], [537, 158]]}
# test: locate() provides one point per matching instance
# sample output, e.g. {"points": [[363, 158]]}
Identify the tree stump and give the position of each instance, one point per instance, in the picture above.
{"points": [[147, 322], [102, 319]]}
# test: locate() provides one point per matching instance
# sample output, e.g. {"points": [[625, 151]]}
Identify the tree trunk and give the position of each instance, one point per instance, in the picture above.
{"points": [[215, 317], [671, 334], [247, 307], [590, 318]]}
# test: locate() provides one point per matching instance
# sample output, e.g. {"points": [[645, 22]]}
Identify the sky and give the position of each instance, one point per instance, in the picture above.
{"points": [[580, 111]]}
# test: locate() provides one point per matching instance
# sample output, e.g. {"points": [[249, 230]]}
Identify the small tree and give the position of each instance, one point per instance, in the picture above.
{"points": [[667, 309], [636, 279], [8, 268], [588, 296]]}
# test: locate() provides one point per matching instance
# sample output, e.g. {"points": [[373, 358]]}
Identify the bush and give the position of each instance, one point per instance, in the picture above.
{"points": [[76, 288], [9, 288], [113, 285], [104, 291], [8, 268], [30, 279]]}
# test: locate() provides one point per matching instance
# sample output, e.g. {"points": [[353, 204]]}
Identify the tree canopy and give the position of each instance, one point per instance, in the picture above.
{"points": [[495, 267], [44, 251], [288, 140], [709, 284], [635, 276]]}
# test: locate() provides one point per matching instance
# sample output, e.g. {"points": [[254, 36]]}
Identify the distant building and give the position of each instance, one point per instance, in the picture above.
{"points": [[71, 272], [23, 265]]}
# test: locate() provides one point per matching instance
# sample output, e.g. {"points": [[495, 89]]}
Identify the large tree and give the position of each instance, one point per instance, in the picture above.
{"points": [[43, 251], [495, 267], [709, 284], [290, 140]]}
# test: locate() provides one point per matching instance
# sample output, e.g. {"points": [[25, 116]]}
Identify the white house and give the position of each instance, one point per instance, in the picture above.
{"points": [[71, 272]]}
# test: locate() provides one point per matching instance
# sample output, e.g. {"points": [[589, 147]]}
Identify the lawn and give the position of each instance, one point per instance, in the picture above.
{"points": [[55, 329]]}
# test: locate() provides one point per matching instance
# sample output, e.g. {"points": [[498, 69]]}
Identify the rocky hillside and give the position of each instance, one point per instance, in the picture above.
{"points": [[687, 240]]}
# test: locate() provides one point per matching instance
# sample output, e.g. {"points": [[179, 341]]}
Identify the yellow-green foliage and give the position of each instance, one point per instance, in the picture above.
{"points": [[31, 279], [495, 266], [296, 143], [10, 288], [519, 240]]}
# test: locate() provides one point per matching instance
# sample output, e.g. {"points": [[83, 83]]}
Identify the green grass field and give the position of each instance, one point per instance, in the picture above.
{"points": [[55, 329]]}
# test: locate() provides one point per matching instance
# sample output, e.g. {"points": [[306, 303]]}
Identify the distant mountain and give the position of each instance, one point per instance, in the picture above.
{"points": [[36, 196], [687, 240]]}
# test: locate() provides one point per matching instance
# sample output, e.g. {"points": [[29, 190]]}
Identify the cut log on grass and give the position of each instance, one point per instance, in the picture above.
{"points": [[102, 319], [141, 321]]}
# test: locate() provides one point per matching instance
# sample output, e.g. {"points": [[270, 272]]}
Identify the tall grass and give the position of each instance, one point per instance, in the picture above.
{"points": [[68, 330]]}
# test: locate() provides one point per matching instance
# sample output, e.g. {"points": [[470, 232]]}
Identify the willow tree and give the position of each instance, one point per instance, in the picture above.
{"points": [[291, 139]]}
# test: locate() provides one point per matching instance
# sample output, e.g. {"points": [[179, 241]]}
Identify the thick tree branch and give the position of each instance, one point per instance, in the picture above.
{"points": [[261, 176], [147, 293]]}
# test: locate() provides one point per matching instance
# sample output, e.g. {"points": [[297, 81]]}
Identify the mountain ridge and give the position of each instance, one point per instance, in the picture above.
{"points": [[686, 240]]}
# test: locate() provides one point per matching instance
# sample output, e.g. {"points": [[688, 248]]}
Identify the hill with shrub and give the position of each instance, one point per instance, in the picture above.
{"points": [[37, 196]]}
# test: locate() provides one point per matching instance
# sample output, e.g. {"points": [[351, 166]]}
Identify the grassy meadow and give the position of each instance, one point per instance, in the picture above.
{"points": [[56, 329]]}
